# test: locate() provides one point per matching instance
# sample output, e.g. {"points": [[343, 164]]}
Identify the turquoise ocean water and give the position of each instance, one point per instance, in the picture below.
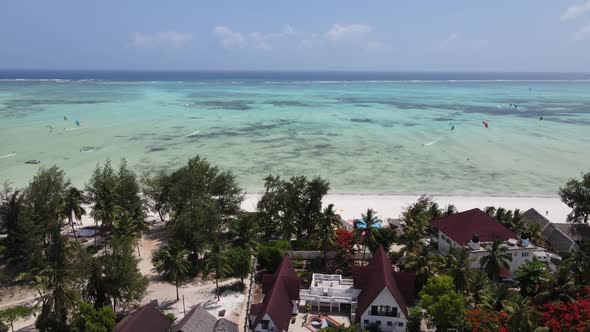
{"points": [[366, 133]]}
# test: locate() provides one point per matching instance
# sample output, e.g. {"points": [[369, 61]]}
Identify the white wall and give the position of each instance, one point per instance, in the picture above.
{"points": [[443, 245], [271, 325], [517, 257], [384, 298]]}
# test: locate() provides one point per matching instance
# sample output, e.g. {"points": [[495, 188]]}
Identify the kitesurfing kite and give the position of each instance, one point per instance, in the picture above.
{"points": [[77, 122], [50, 128], [485, 123], [65, 117], [452, 127]]}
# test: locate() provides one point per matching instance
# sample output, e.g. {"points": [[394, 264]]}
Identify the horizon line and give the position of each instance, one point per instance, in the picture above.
{"points": [[299, 70]]}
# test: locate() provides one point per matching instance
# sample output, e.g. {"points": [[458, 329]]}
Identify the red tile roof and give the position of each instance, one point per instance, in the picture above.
{"points": [[406, 282], [277, 301], [460, 227], [373, 278], [145, 319]]}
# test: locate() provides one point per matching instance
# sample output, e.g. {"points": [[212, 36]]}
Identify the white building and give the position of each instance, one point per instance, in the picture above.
{"points": [[475, 230], [376, 294], [280, 301]]}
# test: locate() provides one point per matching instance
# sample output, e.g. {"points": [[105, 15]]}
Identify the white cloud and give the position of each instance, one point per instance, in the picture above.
{"points": [[575, 11], [164, 39], [342, 32], [583, 33], [228, 38]]}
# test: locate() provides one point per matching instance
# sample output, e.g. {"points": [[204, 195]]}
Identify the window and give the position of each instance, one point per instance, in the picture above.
{"points": [[525, 254], [389, 323], [366, 322], [264, 324], [378, 323], [384, 310], [401, 324]]}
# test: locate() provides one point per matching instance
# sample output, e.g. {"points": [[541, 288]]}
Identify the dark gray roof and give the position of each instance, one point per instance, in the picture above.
{"points": [[196, 320], [533, 216], [224, 325], [558, 240], [576, 232], [200, 320]]}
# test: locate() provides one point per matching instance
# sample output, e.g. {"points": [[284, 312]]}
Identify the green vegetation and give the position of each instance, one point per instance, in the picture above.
{"points": [[444, 307], [9, 315], [89, 319], [172, 261], [576, 195], [207, 235], [496, 259]]}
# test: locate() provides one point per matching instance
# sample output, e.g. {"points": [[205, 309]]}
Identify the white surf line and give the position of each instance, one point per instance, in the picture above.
{"points": [[191, 134], [68, 129], [8, 155]]}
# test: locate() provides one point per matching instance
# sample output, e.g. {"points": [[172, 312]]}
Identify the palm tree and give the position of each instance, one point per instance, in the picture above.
{"points": [[522, 314], [457, 264], [288, 228], [412, 240], [498, 258], [478, 280], [127, 230], [218, 263], [172, 261], [560, 287], [449, 210], [424, 264], [326, 225], [493, 296], [72, 207], [370, 222], [245, 230], [580, 263]]}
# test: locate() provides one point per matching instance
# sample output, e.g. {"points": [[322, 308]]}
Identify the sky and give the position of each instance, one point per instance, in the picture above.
{"points": [[376, 35]]}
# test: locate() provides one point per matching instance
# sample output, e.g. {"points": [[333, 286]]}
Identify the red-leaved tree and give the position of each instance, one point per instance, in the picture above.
{"points": [[344, 250]]}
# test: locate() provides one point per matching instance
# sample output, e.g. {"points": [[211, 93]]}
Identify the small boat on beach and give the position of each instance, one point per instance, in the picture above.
{"points": [[33, 162]]}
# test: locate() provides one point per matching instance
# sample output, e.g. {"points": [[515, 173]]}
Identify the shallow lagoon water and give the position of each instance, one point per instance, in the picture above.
{"points": [[365, 136]]}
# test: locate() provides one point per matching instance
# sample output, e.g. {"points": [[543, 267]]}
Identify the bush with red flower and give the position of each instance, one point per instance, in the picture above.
{"points": [[564, 316], [479, 320], [344, 248]]}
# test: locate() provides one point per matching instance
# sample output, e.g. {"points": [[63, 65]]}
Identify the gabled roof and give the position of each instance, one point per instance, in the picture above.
{"points": [[196, 320], [277, 301], [532, 216], [373, 278], [460, 227], [147, 318], [574, 231]]}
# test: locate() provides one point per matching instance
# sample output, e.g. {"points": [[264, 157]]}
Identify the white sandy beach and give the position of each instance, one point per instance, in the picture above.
{"points": [[391, 206]]}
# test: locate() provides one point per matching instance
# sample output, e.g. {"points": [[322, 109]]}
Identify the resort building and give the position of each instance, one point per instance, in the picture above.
{"points": [[146, 318], [562, 237], [280, 301], [475, 230], [201, 320], [376, 295]]}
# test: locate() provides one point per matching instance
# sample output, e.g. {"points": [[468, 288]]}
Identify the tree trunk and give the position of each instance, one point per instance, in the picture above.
{"points": [[325, 253], [217, 287], [177, 297], [73, 229], [160, 215], [138, 253]]}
